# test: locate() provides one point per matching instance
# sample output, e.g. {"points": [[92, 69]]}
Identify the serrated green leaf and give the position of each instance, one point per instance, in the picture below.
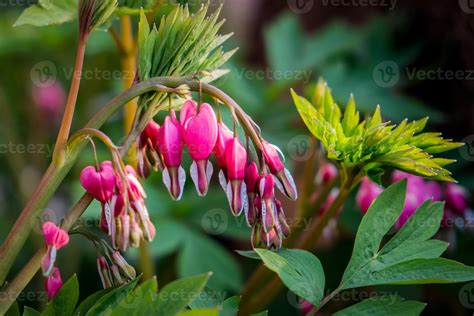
{"points": [[107, 302], [65, 300], [176, 296], [299, 270], [392, 305], [28, 311], [230, 307], [48, 13], [140, 300]]}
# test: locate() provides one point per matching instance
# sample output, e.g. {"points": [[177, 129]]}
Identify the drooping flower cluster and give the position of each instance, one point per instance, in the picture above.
{"points": [[55, 238], [418, 191], [114, 270], [248, 190], [124, 214]]}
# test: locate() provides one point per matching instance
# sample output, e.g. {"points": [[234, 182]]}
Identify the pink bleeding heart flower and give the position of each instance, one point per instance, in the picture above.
{"points": [[200, 136], [188, 110], [285, 181], [456, 198], [236, 160], [326, 173], [99, 183], [55, 238], [251, 181], [53, 283], [224, 137], [368, 192], [268, 207], [148, 155], [170, 144], [433, 191]]}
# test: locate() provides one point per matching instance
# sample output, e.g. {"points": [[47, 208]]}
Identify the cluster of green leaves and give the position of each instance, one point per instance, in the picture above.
{"points": [[49, 12], [409, 257], [373, 144], [184, 297], [182, 44]]}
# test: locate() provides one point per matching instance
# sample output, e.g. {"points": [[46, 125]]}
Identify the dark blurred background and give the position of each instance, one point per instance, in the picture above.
{"points": [[414, 58]]}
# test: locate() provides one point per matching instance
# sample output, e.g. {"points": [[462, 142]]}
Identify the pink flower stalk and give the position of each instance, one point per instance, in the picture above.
{"points": [[368, 192], [53, 283], [200, 136], [251, 182], [99, 183], [148, 155], [55, 238], [224, 136], [456, 198], [236, 160], [170, 145], [274, 163]]}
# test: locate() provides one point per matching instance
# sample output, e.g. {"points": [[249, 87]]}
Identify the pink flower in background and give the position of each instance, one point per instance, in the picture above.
{"points": [[50, 99], [53, 283], [368, 192], [326, 173], [55, 238], [456, 198]]}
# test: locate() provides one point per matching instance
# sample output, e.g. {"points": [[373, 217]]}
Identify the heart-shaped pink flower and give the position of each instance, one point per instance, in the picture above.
{"points": [[99, 183]]}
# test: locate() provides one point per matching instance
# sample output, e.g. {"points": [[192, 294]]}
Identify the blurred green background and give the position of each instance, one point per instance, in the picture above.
{"points": [[378, 51]]}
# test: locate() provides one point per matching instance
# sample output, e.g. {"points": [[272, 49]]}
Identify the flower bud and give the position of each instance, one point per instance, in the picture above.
{"points": [[236, 160], [53, 283]]}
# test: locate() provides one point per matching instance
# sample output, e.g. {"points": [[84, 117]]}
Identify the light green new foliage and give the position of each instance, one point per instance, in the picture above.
{"points": [[183, 44], [373, 144]]}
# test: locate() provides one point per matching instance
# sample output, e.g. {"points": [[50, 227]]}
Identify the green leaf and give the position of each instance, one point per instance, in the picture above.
{"points": [[201, 312], [86, 304], [65, 300], [409, 257], [373, 145], [110, 300], [207, 299], [48, 12], [14, 310], [249, 254], [230, 307], [264, 313], [141, 300], [201, 254], [380, 217], [299, 270], [176, 296], [28, 311], [392, 305]]}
